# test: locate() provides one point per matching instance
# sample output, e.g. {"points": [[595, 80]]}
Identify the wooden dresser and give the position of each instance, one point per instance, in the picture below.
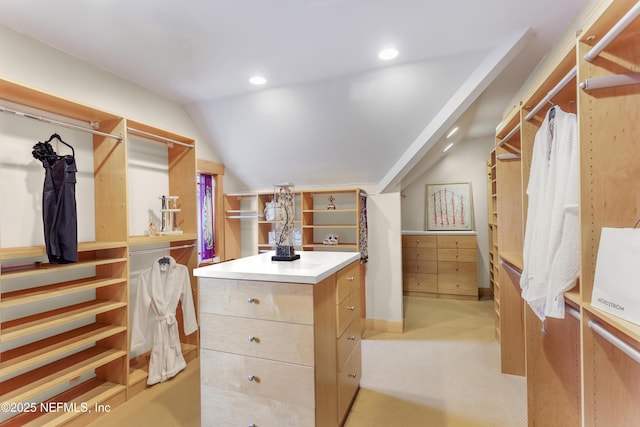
{"points": [[440, 265], [277, 352]]}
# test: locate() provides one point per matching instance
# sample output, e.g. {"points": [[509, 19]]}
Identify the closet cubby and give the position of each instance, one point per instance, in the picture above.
{"points": [[64, 328]]}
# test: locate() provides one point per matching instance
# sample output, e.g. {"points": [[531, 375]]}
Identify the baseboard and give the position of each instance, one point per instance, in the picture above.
{"points": [[384, 326], [484, 293]]}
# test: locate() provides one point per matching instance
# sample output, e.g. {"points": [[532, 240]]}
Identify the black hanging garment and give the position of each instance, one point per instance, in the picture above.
{"points": [[59, 214]]}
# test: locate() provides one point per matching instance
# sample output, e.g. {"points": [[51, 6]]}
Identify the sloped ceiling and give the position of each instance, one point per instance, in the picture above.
{"points": [[331, 112]]}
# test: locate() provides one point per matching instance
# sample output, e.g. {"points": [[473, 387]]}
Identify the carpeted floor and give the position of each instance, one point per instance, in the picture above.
{"points": [[444, 371]]}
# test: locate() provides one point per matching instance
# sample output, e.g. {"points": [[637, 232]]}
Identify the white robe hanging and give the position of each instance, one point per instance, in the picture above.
{"points": [[552, 238], [161, 288]]}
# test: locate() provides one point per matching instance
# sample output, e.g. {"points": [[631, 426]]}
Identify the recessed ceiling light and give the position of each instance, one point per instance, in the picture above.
{"points": [[447, 147], [257, 80], [387, 54], [454, 130]]}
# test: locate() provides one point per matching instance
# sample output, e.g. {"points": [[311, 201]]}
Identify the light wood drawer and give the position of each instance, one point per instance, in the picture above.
{"points": [[348, 381], [284, 382], [427, 267], [418, 241], [347, 280], [415, 282], [460, 255], [457, 284], [347, 311], [419, 254], [282, 341], [286, 302], [222, 408], [348, 341], [452, 242], [452, 267]]}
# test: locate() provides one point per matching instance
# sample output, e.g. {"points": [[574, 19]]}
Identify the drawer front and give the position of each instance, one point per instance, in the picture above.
{"points": [[418, 241], [414, 282], [286, 302], [452, 242], [348, 382], [347, 280], [452, 267], [426, 267], [284, 382], [460, 255], [222, 408], [347, 311], [282, 341], [348, 342], [419, 254], [457, 284]]}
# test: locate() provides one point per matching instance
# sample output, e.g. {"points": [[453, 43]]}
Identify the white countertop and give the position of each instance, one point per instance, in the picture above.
{"points": [[436, 233], [312, 267]]}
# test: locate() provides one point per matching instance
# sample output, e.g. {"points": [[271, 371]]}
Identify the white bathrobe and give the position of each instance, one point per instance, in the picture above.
{"points": [[552, 234], [160, 288]]}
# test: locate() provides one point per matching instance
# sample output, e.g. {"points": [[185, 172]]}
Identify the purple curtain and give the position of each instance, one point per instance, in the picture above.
{"points": [[207, 247]]}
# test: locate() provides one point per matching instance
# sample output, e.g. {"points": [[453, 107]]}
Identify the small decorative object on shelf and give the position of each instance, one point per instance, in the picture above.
{"points": [[331, 239], [270, 211], [331, 206], [169, 215], [283, 223]]}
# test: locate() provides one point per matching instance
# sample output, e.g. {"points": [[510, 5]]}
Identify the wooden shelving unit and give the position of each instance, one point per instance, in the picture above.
{"points": [[53, 343], [583, 370]]}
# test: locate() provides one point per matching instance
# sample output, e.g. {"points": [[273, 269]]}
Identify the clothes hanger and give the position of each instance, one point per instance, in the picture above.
{"points": [[56, 136], [164, 260]]}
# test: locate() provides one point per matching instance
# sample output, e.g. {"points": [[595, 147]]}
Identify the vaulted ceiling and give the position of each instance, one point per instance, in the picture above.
{"points": [[331, 112]]}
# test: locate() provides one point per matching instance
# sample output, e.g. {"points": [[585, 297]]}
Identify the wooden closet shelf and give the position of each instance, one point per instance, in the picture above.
{"points": [[330, 226], [330, 211], [34, 251], [630, 329], [170, 238], [90, 393], [10, 272], [20, 358], [32, 383], [42, 321], [39, 293]]}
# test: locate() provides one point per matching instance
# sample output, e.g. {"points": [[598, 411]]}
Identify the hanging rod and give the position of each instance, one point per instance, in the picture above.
{"points": [[509, 135], [572, 311], [158, 137], [630, 351], [509, 267], [614, 32], [553, 92], [170, 248], [509, 156], [610, 81], [59, 123]]}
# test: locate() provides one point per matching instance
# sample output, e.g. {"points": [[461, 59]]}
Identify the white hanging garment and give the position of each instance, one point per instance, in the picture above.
{"points": [[552, 238], [161, 287]]}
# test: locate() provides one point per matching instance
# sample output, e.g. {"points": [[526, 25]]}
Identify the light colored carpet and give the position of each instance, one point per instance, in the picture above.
{"points": [[444, 371]]}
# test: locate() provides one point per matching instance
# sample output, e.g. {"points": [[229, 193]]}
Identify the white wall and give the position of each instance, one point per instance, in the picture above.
{"points": [[464, 162], [384, 269]]}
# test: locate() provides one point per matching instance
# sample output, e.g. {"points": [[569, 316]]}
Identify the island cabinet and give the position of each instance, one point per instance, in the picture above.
{"points": [[280, 341]]}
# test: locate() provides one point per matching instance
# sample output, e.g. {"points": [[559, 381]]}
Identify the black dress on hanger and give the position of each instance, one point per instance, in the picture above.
{"points": [[59, 213]]}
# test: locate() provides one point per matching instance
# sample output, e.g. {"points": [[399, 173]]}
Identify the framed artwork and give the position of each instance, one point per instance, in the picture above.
{"points": [[449, 207]]}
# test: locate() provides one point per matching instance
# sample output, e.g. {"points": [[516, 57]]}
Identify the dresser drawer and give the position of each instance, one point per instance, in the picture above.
{"points": [[415, 282], [348, 341], [222, 408], [460, 255], [452, 267], [283, 382], [427, 267], [286, 302], [348, 382], [347, 311], [418, 241], [419, 254], [457, 285], [282, 341], [347, 281], [452, 242]]}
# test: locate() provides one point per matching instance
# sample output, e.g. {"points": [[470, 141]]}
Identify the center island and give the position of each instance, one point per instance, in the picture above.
{"points": [[280, 340]]}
